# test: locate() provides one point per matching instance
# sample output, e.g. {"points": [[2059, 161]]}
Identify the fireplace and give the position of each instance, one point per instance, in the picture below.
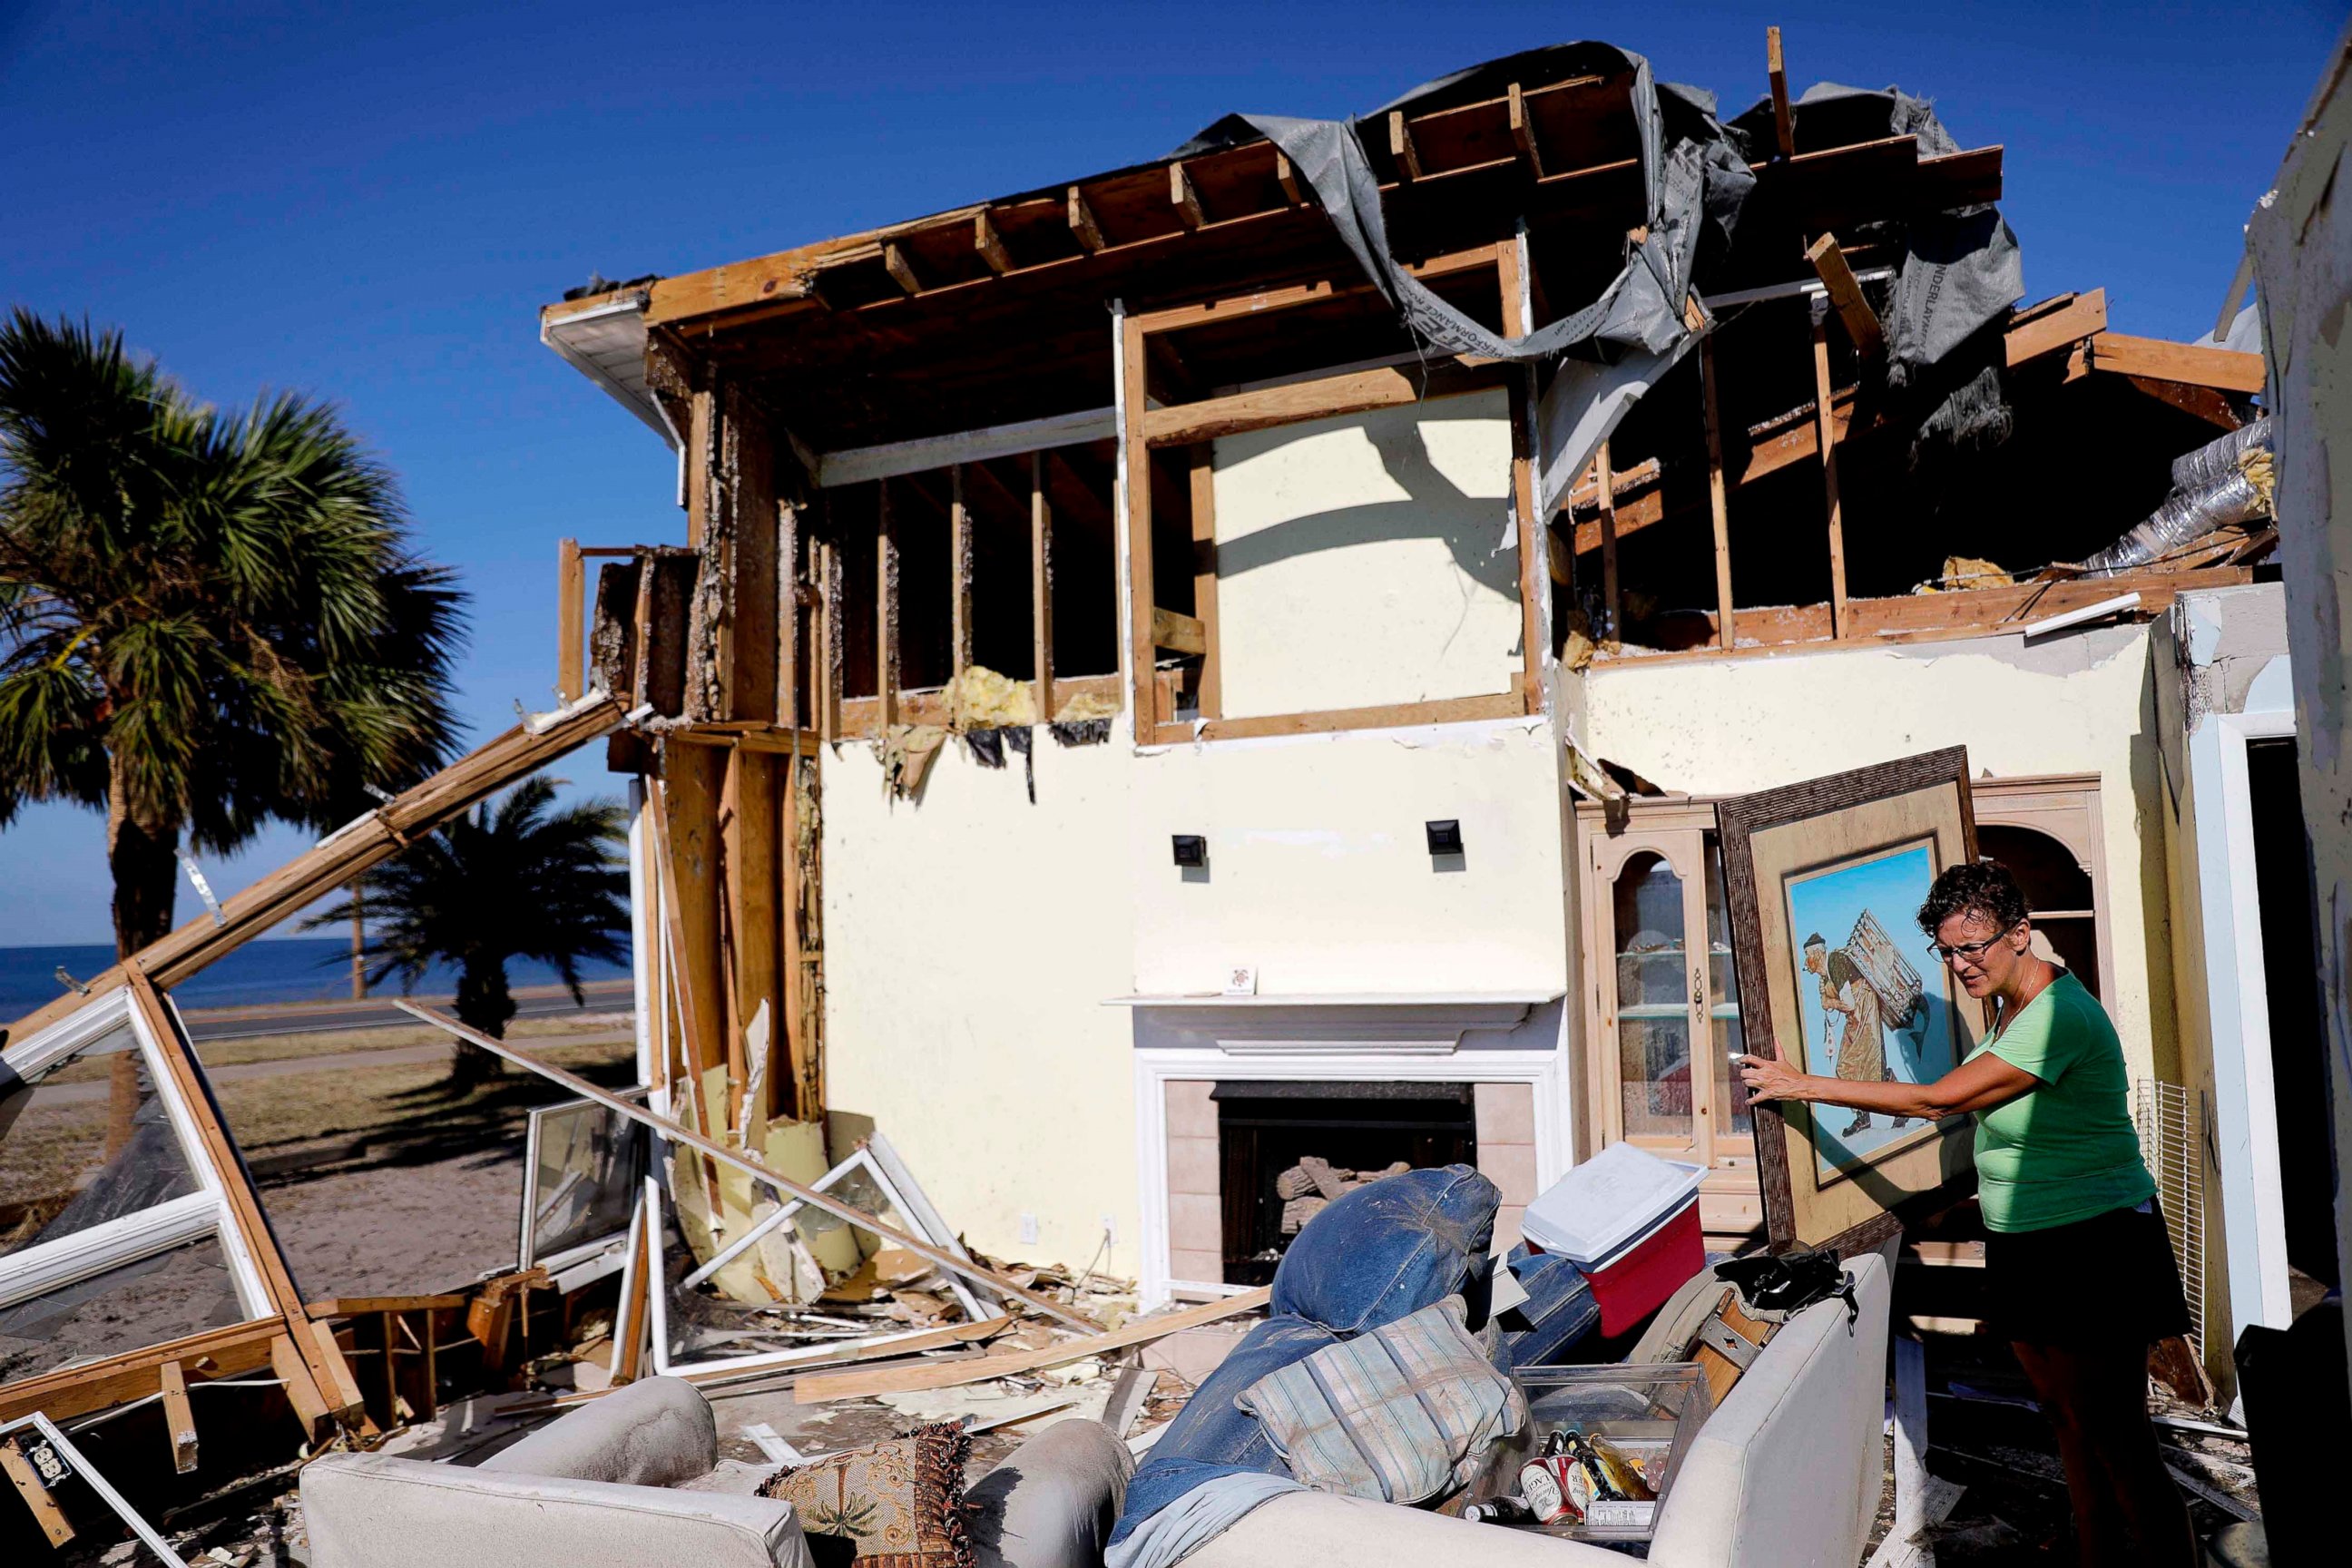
{"points": [[1284, 1148]]}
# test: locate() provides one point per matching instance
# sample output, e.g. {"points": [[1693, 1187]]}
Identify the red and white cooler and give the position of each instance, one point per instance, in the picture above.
{"points": [[1628, 1221]]}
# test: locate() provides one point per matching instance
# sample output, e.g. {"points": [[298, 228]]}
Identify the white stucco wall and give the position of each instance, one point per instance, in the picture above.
{"points": [[1358, 560], [971, 938], [2074, 702], [1319, 874]]}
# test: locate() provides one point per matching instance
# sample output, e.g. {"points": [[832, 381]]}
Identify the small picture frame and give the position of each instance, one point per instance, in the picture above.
{"points": [[1822, 880]]}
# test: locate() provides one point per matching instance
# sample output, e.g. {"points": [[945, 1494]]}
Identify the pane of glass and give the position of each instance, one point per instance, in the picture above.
{"points": [[53, 1166], [183, 1292], [1723, 1001], [1653, 1044], [587, 1177]]}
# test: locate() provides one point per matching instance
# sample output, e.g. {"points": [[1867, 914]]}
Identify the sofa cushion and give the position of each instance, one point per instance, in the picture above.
{"points": [[652, 1433], [1053, 1503], [1389, 1249]]}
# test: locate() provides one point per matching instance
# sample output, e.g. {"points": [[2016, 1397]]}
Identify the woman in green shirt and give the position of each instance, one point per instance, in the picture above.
{"points": [[2078, 1265]]}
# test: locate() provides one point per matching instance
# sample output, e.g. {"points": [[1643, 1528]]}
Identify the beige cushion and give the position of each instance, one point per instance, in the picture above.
{"points": [[1053, 1502], [368, 1511], [655, 1433]]}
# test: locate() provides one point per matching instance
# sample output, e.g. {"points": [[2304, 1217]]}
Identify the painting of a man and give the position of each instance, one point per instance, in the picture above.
{"points": [[1853, 1026]]}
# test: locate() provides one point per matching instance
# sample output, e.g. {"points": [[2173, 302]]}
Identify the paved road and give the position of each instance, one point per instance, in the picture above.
{"points": [[386, 1057], [257, 1023]]}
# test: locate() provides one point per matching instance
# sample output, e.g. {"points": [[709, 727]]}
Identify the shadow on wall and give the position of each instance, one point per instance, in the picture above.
{"points": [[1296, 571]]}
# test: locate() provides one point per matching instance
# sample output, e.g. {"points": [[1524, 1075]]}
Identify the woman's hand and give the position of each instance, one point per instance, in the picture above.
{"points": [[1769, 1079]]}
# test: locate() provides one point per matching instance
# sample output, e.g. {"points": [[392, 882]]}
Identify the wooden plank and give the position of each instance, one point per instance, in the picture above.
{"points": [[1083, 224], [1523, 131], [302, 1391], [2084, 315], [179, 1420], [1183, 197], [701, 444], [886, 606], [1358, 392], [135, 1375], [1139, 652], [1041, 584], [1509, 704], [1178, 632], [1861, 322], [28, 1484], [1264, 302], [570, 650], [989, 242], [322, 1371], [719, 1152], [829, 636], [900, 1345], [2225, 370], [686, 824], [346, 1387], [958, 574], [1718, 506], [1294, 191], [1204, 466], [748, 637], [755, 886], [790, 710], [901, 270], [1531, 537], [2202, 401], [949, 1374], [1401, 148], [1612, 596], [362, 1306], [1824, 439], [1776, 68]]}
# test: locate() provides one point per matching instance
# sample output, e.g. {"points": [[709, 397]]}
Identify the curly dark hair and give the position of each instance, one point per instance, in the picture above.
{"points": [[1984, 888]]}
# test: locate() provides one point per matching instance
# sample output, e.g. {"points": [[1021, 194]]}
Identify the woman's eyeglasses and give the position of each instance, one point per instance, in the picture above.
{"points": [[1945, 953]]}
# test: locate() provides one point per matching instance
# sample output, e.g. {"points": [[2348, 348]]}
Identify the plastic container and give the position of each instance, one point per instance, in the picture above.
{"points": [[1648, 1411], [1630, 1221]]}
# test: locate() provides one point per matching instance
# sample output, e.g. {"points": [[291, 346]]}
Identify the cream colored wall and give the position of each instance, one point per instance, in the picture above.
{"points": [[1319, 874], [1357, 560], [2077, 703], [971, 938]]}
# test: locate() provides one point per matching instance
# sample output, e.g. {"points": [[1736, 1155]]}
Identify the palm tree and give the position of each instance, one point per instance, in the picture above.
{"points": [[207, 620], [511, 879]]}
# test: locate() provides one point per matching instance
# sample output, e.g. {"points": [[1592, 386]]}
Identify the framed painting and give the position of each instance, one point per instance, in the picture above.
{"points": [[1822, 881]]}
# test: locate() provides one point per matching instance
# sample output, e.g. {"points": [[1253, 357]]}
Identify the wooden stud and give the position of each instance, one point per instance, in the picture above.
{"points": [[989, 244], [790, 710], [1862, 327], [641, 680], [1141, 657], [755, 863], [1784, 124], [390, 1370], [701, 442], [1041, 584], [685, 802], [1355, 392], [1209, 695], [885, 608], [346, 1388], [1178, 632], [302, 1391], [959, 557], [1613, 602], [1082, 221], [1287, 175], [1186, 200], [752, 633], [28, 1484], [1717, 506], [179, 1420], [1825, 438], [570, 652], [1523, 132], [1535, 575], [901, 270], [1401, 147]]}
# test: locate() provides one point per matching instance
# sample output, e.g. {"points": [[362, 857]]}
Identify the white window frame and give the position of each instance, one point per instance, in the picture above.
{"points": [[525, 1250]]}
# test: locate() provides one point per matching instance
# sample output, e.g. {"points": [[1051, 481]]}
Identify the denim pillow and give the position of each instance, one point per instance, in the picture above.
{"points": [[1388, 1249]]}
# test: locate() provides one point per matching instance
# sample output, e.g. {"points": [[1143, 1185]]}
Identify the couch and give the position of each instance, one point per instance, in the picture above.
{"points": [[634, 1479]]}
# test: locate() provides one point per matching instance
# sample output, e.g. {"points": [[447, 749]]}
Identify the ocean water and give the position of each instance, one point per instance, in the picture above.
{"points": [[295, 969]]}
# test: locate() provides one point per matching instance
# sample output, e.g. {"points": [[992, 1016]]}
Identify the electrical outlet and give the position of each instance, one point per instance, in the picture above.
{"points": [[1028, 1230], [1110, 1229]]}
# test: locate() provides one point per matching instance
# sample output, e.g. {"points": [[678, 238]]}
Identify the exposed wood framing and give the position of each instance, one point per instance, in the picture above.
{"points": [[1776, 68], [1184, 198], [685, 802], [862, 464], [1041, 584], [2072, 318], [751, 632], [136, 1374], [886, 605], [958, 574], [2225, 370], [1177, 632], [29, 1486], [1523, 131], [1511, 704], [1612, 596], [1293, 192], [2206, 404], [345, 854], [1358, 391], [755, 886], [1825, 442], [1209, 695], [791, 542], [1142, 660], [989, 242], [802, 935], [1718, 504], [571, 587], [829, 639], [179, 1420], [901, 270], [1082, 221], [1531, 536], [1861, 322], [1401, 147], [701, 462]]}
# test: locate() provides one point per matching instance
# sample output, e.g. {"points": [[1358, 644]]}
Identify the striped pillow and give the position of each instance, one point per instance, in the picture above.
{"points": [[1403, 1414]]}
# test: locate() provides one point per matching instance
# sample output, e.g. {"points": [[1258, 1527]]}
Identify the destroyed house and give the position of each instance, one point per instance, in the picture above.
{"points": [[1227, 661], [1180, 690]]}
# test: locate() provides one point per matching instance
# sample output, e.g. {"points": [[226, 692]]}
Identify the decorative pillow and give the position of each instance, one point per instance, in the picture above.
{"points": [[1404, 1414], [898, 1504], [1390, 1248]]}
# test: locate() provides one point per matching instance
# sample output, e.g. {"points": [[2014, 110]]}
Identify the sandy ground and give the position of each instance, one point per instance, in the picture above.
{"points": [[400, 1230]]}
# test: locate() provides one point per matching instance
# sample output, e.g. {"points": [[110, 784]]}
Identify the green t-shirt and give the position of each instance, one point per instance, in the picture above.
{"points": [[2065, 1149]]}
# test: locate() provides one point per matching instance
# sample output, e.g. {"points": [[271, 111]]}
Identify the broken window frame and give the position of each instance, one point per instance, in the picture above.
{"points": [[80, 1465], [633, 1166], [883, 1167], [207, 1213], [1145, 427]]}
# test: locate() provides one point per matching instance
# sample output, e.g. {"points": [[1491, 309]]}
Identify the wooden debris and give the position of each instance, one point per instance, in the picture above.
{"points": [[30, 1487], [179, 1420]]}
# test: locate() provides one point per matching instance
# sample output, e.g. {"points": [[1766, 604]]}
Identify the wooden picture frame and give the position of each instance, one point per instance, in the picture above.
{"points": [[1849, 858]]}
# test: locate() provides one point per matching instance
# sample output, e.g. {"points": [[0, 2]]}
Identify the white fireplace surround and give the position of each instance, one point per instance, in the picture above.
{"points": [[1418, 1038]]}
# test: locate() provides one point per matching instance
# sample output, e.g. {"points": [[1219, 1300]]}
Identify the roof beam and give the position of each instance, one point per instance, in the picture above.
{"points": [[901, 270], [1861, 322], [2225, 370], [1784, 120], [1183, 197], [1082, 222], [989, 244]]}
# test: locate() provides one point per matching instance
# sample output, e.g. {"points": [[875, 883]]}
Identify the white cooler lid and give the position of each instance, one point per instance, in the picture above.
{"points": [[1608, 1201]]}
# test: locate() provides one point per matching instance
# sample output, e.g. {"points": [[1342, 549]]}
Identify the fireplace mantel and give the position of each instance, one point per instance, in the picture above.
{"points": [[1355, 1023]]}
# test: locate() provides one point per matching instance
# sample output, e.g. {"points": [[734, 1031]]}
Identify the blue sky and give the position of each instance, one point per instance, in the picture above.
{"points": [[371, 204]]}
